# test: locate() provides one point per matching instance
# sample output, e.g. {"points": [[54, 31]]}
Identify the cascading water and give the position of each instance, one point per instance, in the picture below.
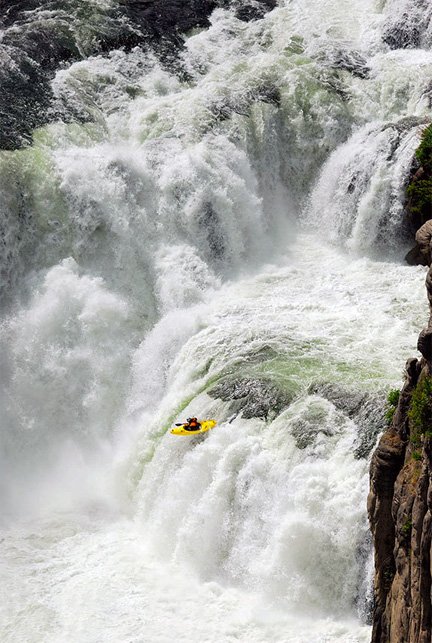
{"points": [[222, 238]]}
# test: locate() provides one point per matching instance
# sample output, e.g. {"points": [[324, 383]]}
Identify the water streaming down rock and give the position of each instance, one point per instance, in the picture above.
{"points": [[408, 24], [365, 178], [154, 267], [40, 37]]}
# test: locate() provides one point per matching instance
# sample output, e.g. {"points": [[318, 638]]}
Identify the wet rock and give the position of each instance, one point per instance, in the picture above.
{"points": [[404, 35], [253, 10], [407, 25], [38, 38], [241, 104], [423, 239], [162, 17], [371, 421], [344, 399], [406, 123], [252, 397], [157, 19], [310, 426], [212, 230], [367, 410], [415, 257], [351, 61], [424, 344]]}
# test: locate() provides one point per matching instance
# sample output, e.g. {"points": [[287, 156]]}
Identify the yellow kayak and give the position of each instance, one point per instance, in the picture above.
{"points": [[206, 425]]}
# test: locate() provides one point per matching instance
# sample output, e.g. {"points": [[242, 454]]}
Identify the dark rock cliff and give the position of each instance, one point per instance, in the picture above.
{"points": [[399, 506], [400, 498]]}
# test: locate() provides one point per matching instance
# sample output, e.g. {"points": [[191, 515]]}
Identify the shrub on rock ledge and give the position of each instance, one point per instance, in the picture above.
{"points": [[419, 191], [420, 411]]}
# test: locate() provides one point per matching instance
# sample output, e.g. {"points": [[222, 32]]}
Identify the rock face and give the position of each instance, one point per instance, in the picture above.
{"points": [[366, 409], [400, 507], [407, 24], [423, 239], [400, 498], [252, 397]]}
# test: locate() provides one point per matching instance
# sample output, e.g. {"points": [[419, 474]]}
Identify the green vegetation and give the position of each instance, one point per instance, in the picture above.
{"points": [[419, 191], [407, 526], [424, 150], [417, 456], [420, 411], [420, 195], [392, 402]]}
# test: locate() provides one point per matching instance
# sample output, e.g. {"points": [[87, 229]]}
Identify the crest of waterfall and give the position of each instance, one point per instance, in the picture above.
{"points": [[359, 198]]}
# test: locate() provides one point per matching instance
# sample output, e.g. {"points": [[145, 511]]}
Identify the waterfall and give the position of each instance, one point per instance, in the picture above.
{"points": [[207, 225]]}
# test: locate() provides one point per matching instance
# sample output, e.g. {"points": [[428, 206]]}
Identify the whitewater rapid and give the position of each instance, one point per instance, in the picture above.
{"points": [[262, 537], [242, 221]]}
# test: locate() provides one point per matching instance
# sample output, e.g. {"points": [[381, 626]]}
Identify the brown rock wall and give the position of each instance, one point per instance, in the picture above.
{"points": [[400, 513]]}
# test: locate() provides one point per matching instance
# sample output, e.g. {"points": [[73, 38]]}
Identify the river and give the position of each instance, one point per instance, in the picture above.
{"points": [[237, 225]]}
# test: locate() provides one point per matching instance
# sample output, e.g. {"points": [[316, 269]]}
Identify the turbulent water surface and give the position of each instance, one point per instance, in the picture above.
{"points": [[221, 235]]}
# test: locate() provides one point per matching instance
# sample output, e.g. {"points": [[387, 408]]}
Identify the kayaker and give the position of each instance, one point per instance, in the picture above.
{"points": [[192, 425]]}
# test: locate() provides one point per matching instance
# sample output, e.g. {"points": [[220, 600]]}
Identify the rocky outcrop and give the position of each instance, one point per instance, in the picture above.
{"points": [[400, 506], [366, 409], [422, 252], [259, 397], [349, 60], [408, 24], [252, 397], [423, 239], [400, 498]]}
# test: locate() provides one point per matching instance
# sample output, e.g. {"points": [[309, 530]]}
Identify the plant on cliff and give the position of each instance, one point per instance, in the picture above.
{"points": [[392, 402], [420, 411], [424, 150], [406, 527], [420, 194], [419, 191]]}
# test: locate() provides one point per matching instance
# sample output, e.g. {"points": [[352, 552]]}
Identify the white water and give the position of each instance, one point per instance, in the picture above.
{"points": [[168, 248]]}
